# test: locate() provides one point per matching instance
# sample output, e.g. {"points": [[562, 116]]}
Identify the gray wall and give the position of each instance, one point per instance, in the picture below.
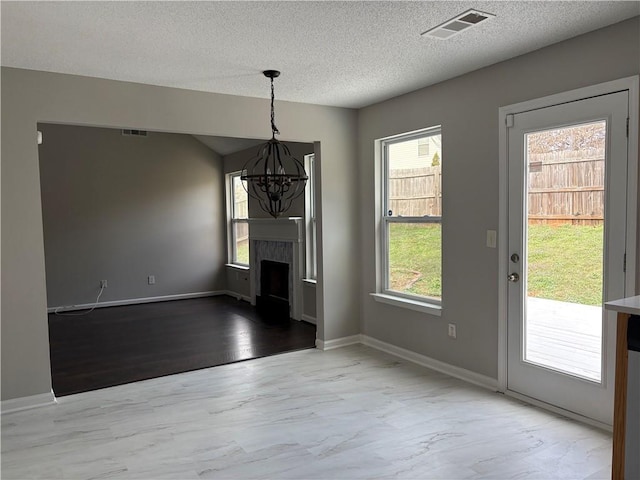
{"points": [[238, 282], [467, 109], [121, 208], [309, 300], [29, 97]]}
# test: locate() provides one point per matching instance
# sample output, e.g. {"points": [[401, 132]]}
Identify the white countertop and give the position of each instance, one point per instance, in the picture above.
{"points": [[630, 305]]}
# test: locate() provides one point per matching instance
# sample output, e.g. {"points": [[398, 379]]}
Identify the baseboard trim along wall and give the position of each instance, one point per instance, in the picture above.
{"points": [[456, 372], [309, 319], [237, 295], [433, 364], [26, 403], [423, 360], [135, 301], [338, 342]]}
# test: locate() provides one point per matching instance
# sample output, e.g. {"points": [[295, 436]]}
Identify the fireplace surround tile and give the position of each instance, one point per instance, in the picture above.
{"points": [[279, 240]]}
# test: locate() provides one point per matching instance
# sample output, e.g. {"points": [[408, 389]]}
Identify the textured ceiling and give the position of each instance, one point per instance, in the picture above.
{"points": [[348, 53]]}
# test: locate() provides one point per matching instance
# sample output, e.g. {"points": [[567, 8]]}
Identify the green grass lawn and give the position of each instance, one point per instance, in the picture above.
{"points": [[565, 262], [415, 258], [242, 252]]}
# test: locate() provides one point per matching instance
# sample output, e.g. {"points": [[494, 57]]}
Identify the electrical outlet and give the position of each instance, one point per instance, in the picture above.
{"points": [[452, 330], [152, 279], [103, 284]]}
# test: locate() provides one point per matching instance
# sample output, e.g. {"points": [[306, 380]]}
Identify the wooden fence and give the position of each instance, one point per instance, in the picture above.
{"points": [[566, 187], [242, 211], [415, 192], [563, 187]]}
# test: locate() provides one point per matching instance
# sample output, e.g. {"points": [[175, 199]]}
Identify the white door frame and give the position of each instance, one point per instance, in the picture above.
{"points": [[632, 85]]}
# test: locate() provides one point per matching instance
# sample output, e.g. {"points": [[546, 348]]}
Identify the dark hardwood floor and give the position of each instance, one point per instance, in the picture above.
{"points": [[115, 345]]}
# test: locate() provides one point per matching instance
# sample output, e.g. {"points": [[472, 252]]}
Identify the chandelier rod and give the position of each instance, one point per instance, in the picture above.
{"points": [[274, 129], [272, 74]]}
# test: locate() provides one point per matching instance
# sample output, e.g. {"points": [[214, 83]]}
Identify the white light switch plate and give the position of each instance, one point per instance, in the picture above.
{"points": [[491, 238]]}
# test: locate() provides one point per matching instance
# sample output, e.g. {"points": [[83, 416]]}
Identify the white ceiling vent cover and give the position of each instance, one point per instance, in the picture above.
{"points": [[462, 22]]}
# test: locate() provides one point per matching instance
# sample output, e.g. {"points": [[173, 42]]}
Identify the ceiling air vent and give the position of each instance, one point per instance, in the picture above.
{"points": [[134, 133], [462, 22]]}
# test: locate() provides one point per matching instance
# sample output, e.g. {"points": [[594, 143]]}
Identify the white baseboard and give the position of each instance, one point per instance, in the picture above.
{"points": [[475, 378], [26, 403], [433, 364], [338, 342], [135, 301], [309, 319], [239, 296]]}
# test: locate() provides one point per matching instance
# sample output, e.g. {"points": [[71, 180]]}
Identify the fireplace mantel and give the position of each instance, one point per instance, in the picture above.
{"points": [[288, 230]]}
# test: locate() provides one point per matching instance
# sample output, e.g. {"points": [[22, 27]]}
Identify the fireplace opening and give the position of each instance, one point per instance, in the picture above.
{"points": [[274, 289]]}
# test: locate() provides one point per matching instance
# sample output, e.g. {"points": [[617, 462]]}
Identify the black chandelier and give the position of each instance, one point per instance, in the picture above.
{"points": [[274, 177]]}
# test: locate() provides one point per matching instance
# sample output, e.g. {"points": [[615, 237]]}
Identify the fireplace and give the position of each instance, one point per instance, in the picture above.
{"points": [[277, 241], [273, 300]]}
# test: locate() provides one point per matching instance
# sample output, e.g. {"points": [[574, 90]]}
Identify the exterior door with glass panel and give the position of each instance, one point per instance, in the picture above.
{"points": [[567, 216]]}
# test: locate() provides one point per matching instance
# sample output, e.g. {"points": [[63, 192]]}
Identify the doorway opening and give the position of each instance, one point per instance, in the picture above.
{"points": [[140, 220], [568, 209]]}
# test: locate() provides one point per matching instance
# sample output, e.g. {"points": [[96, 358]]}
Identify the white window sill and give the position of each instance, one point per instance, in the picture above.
{"points": [[236, 266], [416, 305], [310, 281]]}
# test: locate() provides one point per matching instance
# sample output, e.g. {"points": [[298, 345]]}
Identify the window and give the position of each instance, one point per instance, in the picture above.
{"points": [[237, 220], [423, 147], [412, 217], [310, 217]]}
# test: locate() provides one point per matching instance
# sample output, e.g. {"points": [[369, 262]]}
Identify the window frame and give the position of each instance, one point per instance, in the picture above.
{"points": [[310, 219], [384, 293], [233, 220]]}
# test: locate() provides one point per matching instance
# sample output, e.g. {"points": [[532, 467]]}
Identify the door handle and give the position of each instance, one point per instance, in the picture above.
{"points": [[514, 277]]}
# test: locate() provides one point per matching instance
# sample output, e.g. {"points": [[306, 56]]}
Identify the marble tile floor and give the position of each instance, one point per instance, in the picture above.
{"points": [[348, 413]]}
